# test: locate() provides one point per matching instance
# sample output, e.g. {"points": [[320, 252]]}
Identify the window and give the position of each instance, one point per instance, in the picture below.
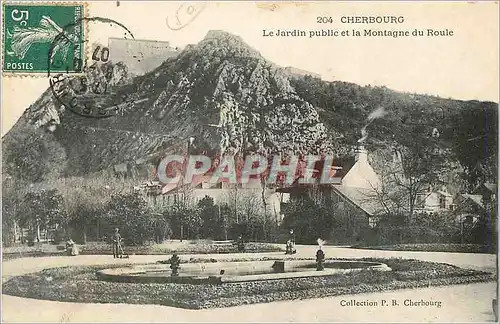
{"points": [[442, 202], [372, 221]]}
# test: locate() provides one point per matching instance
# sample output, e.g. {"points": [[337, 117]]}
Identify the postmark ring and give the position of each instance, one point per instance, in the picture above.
{"points": [[58, 84]]}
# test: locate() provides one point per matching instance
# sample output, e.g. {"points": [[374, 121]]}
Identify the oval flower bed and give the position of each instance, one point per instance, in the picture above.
{"points": [[80, 284]]}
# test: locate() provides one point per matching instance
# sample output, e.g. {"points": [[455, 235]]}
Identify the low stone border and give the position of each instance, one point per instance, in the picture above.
{"points": [[203, 273]]}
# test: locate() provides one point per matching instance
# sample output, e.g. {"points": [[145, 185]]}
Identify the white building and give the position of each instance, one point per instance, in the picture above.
{"points": [[359, 185], [140, 56], [221, 192], [434, 201]]}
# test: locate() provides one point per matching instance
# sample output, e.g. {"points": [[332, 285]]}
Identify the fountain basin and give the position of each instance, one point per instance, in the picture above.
{"points": [[226, 272]]}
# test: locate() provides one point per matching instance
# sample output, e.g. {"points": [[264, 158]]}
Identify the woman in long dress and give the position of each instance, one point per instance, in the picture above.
{"points": [[71, 248]]}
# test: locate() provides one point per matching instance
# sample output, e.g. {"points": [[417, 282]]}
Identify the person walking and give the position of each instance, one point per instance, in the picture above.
{"points": [[116, 243]]}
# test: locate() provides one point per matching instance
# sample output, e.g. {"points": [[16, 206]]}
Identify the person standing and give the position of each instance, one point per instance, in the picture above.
{"points": [[292, 236], [116, 243]]}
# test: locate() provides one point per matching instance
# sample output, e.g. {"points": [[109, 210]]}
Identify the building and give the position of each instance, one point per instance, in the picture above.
{"points": [[480, 203], [359, 186], [221, 192], [359, 194], [476, 214], [140, 56], [434, 201], [354, 198]]}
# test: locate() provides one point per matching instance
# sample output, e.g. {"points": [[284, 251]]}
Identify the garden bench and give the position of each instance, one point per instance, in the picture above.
{"points": [[224, 243]]}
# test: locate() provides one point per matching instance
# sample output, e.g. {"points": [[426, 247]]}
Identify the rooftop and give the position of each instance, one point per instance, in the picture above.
{"points": [[363, 198]]}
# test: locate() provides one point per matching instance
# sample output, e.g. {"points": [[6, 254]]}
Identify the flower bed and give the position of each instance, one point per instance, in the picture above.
{"points": [[433, 247], [99, 248], [30, 254], [80, 284], [39, 250], [194, 248]]}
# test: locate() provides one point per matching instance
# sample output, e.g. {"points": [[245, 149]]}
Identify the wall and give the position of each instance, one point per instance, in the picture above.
{"points": [[356, 220], [140, 56], [361, 175], [431, 203]]}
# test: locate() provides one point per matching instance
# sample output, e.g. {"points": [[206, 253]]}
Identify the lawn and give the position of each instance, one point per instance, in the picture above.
{"points": [[80, 284]]}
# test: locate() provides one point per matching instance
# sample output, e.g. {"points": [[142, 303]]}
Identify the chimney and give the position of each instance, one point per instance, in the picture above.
{"points": [[360, 154]]}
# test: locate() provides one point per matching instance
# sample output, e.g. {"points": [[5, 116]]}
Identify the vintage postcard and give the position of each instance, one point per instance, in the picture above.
{"points": [[249, 161]]}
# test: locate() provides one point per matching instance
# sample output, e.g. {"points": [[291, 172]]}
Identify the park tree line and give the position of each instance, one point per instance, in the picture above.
{"points": [[88, 209]]}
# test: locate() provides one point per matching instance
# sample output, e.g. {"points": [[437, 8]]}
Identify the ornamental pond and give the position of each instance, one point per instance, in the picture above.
{"points": [[222, 272]]}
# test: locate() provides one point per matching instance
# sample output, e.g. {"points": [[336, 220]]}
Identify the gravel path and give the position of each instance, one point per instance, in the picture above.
{"points": [[462, 303]]}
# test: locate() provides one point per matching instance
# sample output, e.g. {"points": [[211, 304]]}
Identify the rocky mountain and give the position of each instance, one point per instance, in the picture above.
{"points": [[225, 95]]}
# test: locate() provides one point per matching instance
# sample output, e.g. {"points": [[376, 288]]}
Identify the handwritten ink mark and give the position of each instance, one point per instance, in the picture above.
{"points": [[185, 15]]}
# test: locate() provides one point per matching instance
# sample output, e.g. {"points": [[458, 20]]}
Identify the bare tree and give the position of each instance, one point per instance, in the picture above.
{"points": [[407, 179]]}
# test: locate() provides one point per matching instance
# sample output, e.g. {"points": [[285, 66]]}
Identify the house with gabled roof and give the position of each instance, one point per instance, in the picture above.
{"points": [[356, 192], [481, 202], [359, 185]]}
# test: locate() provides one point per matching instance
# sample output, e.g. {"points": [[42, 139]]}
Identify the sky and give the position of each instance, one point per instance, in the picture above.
{"points": [[462, 66]]}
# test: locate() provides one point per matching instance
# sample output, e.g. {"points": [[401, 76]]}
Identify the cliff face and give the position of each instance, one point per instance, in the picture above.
{"points": [[230, 98], [220, 91], [225, 95]]}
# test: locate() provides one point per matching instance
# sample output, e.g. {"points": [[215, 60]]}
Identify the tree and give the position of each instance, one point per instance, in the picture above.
{"points": [[42, 210], [244, 213], [311, 216], [13, 192], [419, 163], [212, 222], [162, 228], [130, 214], [185, 220], [85, 201], [475, 134], [192, 219], [32, 155]]}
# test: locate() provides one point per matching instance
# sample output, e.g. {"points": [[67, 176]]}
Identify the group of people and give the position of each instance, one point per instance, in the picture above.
{"points": [[72, 249]]}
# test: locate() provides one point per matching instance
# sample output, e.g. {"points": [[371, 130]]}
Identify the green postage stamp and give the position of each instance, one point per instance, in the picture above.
{"points": [[43, 37]]}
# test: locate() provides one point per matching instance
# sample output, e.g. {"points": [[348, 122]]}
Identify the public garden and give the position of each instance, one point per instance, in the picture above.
{"points": [[234, 265], [63, 288]]}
